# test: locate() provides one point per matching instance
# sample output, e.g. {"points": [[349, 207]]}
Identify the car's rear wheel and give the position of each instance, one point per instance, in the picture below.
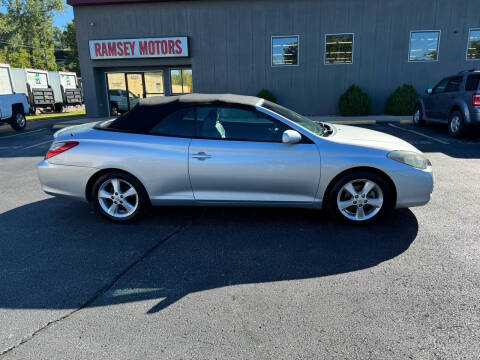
{"points": [[456, 125], [18, 121], [119, 197], [418, 116], [360, 197]]}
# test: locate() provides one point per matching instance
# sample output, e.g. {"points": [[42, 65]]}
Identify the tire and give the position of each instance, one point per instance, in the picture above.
{"points": [[114, 111], [118, 185], [376, 204], [59, 108], [456, 124], [18, 121], [418, 116]]}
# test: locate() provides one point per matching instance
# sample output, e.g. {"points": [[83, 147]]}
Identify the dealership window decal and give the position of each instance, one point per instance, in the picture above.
{"points": [[181, 81], [424, 45], [339, 48], [284, 50], [473, 51]]}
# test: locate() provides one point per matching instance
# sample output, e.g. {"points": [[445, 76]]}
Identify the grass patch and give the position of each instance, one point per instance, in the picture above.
{"points": [[55, 115]]}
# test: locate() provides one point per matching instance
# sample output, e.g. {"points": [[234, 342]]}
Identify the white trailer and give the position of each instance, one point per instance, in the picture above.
{"points": [[13, 106], [72, 92], [35, 84]]}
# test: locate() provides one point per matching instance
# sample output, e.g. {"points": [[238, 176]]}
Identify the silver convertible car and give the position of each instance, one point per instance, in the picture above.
{"points": [[233, 150]]}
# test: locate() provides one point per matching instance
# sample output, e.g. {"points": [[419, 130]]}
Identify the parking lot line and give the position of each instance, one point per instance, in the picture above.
{"points": [[419, 133], [23, 133], [32, 146]]}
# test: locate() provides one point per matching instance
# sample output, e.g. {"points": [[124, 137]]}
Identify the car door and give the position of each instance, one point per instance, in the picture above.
{"points": [[432, 101], [446, 98], [238, 155]]}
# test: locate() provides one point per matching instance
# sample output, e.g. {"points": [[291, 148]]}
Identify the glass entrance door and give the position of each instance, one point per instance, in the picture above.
{"points": [[136, 90], [125, 89]]}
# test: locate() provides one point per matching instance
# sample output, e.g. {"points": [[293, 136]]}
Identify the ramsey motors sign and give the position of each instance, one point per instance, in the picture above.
{"points": [[138, 48]]}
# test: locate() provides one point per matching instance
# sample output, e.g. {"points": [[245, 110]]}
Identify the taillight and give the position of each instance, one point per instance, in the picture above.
{"points": [[476, 100], [58, 148]]}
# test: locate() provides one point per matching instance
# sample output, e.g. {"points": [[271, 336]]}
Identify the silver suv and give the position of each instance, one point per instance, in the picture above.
{"points": [[454, 100]]}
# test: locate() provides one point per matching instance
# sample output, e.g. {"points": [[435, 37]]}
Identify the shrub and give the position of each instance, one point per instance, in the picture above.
{"points": [[267, 95], [354, 102], [402, 101]]}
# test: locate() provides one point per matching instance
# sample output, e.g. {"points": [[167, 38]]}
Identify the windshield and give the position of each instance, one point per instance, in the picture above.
{"points": [[298, 119]]}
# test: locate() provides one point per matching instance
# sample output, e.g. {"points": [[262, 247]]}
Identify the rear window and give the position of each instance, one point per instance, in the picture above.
{"points": [[472, 82]]}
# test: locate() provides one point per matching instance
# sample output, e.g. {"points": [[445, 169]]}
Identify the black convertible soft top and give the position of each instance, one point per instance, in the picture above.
{"points": [[148, 112]]}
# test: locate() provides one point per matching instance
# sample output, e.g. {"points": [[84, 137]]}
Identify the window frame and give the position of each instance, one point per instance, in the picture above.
{"points": [[271, 50], [240, 107], [186, 109], [461, 77], [468, 43], [447, 79], [410, 45], [466, 82], [325, 49], [180, 68]]}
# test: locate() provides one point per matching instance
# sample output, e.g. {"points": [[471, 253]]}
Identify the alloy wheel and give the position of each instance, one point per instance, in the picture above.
{"points": [[118, 198], [360, 200], [455, 124], [416, 116], [20, 120]]}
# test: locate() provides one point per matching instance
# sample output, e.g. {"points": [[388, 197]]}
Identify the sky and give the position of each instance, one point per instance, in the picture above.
{"points": [[60, 19], [66, 17]]}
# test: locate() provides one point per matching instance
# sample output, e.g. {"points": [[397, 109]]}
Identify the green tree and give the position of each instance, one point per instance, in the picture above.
{"points": [[19, 59], [72, 62], [28, 24]]}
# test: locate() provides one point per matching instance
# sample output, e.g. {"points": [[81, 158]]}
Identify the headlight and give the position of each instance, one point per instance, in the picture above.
{"points": [[410, 158]]}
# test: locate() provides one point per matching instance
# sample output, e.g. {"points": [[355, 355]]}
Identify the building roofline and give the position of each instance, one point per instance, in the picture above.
{"points": [[109, 2]]}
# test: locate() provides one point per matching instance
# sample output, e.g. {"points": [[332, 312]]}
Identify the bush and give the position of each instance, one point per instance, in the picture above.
{"points": [[267, 95], [402, 101], [354, 102]]}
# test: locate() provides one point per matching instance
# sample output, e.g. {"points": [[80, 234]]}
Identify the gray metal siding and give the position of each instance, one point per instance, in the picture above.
{"points": [[230, 45]]}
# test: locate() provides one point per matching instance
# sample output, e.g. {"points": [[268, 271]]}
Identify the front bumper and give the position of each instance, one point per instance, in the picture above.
{"points": [[414, 187], [61, 180]]}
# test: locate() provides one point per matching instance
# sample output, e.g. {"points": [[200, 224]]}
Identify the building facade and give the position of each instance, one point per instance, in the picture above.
{"points": [[306, 52]]}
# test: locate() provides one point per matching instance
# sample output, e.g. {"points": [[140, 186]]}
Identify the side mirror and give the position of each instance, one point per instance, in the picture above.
{"points": [[291, 137], [429, 91]]}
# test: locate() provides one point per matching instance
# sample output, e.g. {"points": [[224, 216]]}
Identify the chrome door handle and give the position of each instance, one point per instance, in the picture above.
{"points": [[201, 156]]}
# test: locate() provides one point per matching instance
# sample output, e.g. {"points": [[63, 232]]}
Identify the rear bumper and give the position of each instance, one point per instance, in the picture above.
{"points": [[61, 180], [474, 118]]}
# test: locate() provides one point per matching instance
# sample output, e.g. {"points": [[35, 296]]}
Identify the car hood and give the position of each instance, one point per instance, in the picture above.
{"points": [[353, 135]]}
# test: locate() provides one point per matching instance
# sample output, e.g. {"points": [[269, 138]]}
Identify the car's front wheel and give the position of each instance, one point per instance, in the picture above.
{"points": [[119, 197], [418, 116], [360, 197]]}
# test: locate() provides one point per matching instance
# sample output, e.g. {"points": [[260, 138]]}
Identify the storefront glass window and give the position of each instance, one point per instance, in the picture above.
{"points": [[473, 52], [284, 50], [181, 81], [424, 45], [154, 84], [338, 48]]}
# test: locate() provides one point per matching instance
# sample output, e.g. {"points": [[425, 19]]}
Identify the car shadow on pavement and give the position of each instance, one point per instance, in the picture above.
{"points": [[57, 254]]}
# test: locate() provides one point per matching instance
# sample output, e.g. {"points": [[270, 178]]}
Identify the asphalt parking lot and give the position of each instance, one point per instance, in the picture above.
{"points": [[235, 283]]}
